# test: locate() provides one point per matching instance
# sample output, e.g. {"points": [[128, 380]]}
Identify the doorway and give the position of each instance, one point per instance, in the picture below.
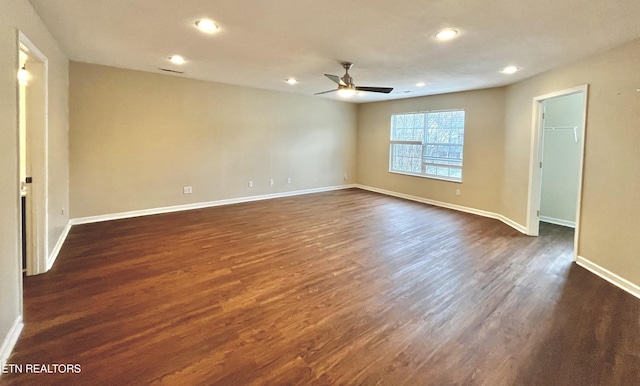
{"points": [[557, 158], [32, 117], [561, 144], [25, 231]]}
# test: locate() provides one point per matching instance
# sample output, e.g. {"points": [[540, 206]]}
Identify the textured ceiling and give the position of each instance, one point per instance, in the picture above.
{"points": [[392, 43]]}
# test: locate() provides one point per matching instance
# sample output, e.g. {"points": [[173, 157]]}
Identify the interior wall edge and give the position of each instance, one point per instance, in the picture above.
{"points": [[51, 259], [609, 276], [519, 227], [201, 205], [10, 341]]}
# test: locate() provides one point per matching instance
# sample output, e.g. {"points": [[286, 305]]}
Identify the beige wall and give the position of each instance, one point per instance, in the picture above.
{"points": [[483, 148], [610, 206], [10, 278], [137, 138], [18, 15]]}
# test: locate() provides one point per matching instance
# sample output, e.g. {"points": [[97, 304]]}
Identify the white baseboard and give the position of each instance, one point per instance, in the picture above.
{"points": [[56, 249], [200, 205], [558, 221], [10, 340], [609, 276], [520, 228]]}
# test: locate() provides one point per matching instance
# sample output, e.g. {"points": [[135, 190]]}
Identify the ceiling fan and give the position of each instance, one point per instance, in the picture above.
{"points": [[346, 87]]}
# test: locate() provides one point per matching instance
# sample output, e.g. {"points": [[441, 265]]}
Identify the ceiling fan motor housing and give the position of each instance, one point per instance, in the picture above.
{"points": [[346, 78], [348, 82]]}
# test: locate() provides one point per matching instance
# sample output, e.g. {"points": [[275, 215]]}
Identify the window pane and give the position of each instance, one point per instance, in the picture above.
{"points": [[406, 158], [407, 127], [442, 136], [444, 172]]}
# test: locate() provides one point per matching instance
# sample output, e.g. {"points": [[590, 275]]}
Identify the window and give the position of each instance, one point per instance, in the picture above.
{"points": [[428, 144]]}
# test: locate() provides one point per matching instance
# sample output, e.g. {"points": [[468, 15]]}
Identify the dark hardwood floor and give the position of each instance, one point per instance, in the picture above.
{"points": [[339, 288]]}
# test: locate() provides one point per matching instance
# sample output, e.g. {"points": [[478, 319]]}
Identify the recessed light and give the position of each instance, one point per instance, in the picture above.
{"points": [[206, 25], [420, 84], [447, 33], [510, 70], [291, 81], [176, 59]]}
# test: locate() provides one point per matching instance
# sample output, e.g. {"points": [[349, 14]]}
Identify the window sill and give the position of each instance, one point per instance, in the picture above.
{"points": [[425, 176]]}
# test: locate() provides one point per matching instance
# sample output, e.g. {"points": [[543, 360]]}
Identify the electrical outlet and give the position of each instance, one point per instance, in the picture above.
{"points": [[251, 184], [457, 192], [289, 180], [62, 211], [187, 190], [271, 182], [345, 176]]}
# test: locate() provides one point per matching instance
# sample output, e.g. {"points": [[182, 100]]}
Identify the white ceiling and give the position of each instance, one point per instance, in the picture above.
{"points": [[391, 42]]}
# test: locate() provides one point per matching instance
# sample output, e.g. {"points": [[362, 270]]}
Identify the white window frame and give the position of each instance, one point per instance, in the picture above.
{"points": [[423, 143]]}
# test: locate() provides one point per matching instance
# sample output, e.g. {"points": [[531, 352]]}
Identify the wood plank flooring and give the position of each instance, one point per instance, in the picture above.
{"points": [[339, 288]]}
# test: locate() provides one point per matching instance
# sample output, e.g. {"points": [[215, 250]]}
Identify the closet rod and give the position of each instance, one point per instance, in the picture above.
{"points": [[561, 127], [574, 128]]}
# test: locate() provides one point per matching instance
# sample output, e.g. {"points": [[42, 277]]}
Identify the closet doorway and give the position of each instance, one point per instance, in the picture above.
{"points": [[558, 137], [561, 147]]}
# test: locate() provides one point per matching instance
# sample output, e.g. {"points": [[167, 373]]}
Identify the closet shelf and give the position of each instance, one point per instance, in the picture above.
{"points": [[574, 128]]}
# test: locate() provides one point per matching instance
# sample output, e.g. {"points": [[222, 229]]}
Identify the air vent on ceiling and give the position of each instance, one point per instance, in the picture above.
{"points": [[172, 71]]}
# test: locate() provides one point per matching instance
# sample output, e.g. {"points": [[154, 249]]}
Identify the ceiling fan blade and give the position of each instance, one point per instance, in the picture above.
{"points": [[385, 90], [325, 92], [335, 79]]}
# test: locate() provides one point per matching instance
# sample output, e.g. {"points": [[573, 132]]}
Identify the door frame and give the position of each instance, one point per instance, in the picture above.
{"points": [[38, 158], [535, 168]]}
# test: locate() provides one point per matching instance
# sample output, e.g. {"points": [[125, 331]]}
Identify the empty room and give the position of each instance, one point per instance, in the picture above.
{"points": [[319, 193]]}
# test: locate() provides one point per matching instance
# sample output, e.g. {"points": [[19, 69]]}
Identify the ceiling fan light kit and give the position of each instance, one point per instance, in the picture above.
{"points": [[346, 87], [346, 92]]}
